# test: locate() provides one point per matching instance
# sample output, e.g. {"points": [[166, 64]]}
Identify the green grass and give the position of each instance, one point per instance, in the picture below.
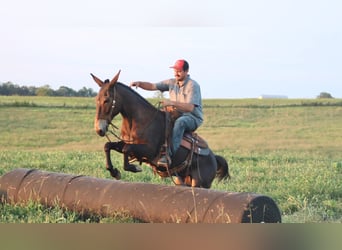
{"points": [[289, 150], [46, 101]]}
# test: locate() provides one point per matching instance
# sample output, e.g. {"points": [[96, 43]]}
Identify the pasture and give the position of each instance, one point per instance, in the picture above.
{"points": [[287, 149]]}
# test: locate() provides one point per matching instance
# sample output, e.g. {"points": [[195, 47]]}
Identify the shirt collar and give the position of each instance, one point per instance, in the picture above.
{"points": [[182, 83]]}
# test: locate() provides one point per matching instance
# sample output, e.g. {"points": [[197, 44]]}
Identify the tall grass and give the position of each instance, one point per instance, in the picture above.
{"points": [[289, 150]]}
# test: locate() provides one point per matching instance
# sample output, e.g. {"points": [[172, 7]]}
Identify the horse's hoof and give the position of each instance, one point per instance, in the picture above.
{"points": [[137, 169], [115, 174], [133, 168]]}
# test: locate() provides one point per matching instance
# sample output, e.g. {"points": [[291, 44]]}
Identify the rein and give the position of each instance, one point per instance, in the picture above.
{"points": [[113, 132]]}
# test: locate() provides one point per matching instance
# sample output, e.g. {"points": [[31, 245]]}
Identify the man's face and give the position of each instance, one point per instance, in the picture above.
{"points": [[180, 74]]}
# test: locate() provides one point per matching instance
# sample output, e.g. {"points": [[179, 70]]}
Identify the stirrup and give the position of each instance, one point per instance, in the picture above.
{"points": [[163, 161]]}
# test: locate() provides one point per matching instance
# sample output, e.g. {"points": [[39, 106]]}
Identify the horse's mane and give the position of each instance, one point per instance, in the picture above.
{"points": [[138, 96]]}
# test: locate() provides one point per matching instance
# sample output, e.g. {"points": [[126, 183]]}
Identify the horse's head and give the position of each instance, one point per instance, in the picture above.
{"points": [[106, 104]]}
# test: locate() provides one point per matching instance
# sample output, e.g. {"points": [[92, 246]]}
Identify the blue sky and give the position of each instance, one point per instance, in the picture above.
{"points": [[236, 49]]}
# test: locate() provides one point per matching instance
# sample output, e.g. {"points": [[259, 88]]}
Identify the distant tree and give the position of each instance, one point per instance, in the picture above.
{"points": [[9, 88], [23, 91], [32, 90], [86, 92], [65, 91], [324, 95], [44, 91]]}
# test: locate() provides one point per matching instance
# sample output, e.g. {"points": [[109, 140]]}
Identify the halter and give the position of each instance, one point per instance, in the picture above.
{"points": [[113, 104], [111, 118]]}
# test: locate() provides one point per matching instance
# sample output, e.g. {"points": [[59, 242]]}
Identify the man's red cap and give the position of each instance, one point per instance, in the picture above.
{"points": [[181, 65]]}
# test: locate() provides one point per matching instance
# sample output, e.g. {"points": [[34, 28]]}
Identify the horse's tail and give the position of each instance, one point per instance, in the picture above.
{"points": [[222, 172]]}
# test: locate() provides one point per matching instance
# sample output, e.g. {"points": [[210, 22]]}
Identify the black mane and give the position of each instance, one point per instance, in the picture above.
{"points": [[139, 97]]}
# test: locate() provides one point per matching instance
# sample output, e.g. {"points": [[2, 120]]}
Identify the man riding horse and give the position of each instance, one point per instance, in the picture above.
{"points": [[185, 99]]}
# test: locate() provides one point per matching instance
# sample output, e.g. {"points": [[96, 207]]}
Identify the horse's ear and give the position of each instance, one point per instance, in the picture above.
{"points": [[115, 79], [97, 80]]}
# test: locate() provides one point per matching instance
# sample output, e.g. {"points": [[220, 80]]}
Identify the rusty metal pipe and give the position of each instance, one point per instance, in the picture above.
{"points": [[147, 202]]}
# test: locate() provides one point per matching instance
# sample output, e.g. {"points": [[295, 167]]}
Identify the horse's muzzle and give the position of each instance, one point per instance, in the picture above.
{"points": [[101, 127]]}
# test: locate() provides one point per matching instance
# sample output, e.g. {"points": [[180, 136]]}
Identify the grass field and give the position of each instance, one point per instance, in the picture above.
{"points": [[289, 150]]}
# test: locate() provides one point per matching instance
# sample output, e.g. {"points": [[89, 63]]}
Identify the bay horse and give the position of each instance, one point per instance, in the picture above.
{"points": [[143, 135]]}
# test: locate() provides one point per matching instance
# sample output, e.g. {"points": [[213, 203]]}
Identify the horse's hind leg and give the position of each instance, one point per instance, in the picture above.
{"points": [[197, 180], [179, 181], [195, 183], [191, 182]]}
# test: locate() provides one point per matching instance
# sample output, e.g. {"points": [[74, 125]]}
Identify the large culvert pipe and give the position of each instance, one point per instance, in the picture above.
{"points": [[147, 202]]}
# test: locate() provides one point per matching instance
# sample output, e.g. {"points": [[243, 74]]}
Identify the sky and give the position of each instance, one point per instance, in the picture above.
{"points": [[236, 49]]}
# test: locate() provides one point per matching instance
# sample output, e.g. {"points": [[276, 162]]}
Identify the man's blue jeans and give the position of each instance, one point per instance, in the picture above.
{"points": [[182, 124]]}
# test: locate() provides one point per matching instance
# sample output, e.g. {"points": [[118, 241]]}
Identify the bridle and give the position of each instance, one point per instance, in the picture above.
{"points": [[113, 105], [114, 128]]}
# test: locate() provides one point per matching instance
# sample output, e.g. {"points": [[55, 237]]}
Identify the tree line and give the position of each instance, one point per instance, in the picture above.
{"points": [[10, 88]]}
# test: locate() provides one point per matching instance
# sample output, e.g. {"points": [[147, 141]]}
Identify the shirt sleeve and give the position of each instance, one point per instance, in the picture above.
{"points": [[163, 85], [193, 95]]}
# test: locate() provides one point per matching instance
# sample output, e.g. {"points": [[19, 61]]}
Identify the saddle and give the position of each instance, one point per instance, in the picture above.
{"points": [[195, 143], [191, 141]]}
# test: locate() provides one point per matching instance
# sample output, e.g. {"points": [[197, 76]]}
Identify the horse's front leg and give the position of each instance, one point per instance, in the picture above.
{"points": [[117, 146], [135, 150], [130, 167]]}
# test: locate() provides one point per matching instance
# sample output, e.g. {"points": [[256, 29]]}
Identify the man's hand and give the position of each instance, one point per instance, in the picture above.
{"points": [[166, 102], [134, 84], [183, 107], [170, 109], [143, 85]]}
